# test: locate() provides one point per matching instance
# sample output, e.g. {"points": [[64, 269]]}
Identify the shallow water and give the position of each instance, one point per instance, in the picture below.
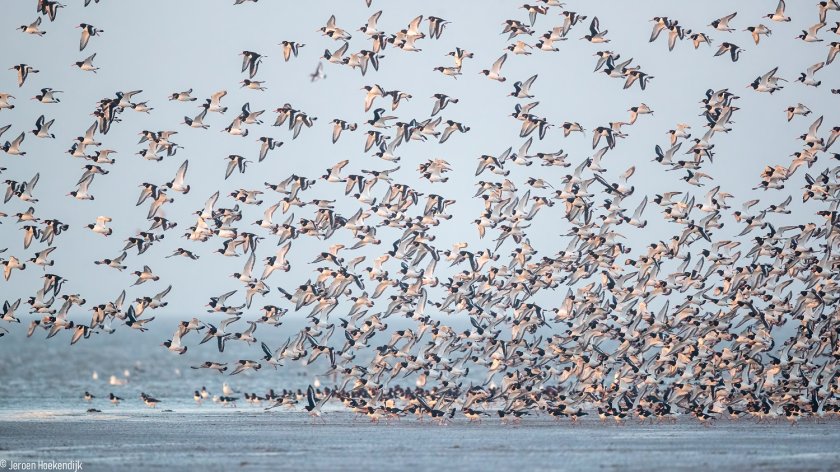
{"points": [[37, 374], [255, 440]]}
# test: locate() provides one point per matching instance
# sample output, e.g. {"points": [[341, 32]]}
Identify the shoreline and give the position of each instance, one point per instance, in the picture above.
{"points": [[258, 440]]}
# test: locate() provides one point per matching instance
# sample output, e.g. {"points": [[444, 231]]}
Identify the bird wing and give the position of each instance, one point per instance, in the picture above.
{"points": [[217, 97], [224, 297], [83, 41], [281, 253], [497, 66], [182, 172], [371, 23], [815, 28], [326, 398], [85, 183], [230, 168], [672, 39], [528, 83], [815, 127], [504, 155], [310, 397], [91, 131], [657, 28], [523, 150], [771, 73], [32, 182], [814, 68], [343, 49], [337, 130], [640, 209], [446, 133], [224, 324], [249, 265], [162, 294], [437, 107], [414, 26]]}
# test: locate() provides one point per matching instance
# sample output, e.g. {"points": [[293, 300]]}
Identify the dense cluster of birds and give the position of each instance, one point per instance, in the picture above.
{"points": [[688, 325]]}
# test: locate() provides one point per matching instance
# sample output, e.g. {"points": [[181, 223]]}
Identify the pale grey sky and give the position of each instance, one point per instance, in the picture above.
{"points": [[163, 46]]}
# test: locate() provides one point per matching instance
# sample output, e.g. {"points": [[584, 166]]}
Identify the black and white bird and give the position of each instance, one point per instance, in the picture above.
{"points": [[251, 62], [33, 28], [290, 48], [494, 73], [88, 31], [23, 71], [733, 50], [596, 36], [314, 404], [87, 64]]}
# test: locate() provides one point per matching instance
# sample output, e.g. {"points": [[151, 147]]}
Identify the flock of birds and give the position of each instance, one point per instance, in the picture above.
{"points": [[689, 325]]}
